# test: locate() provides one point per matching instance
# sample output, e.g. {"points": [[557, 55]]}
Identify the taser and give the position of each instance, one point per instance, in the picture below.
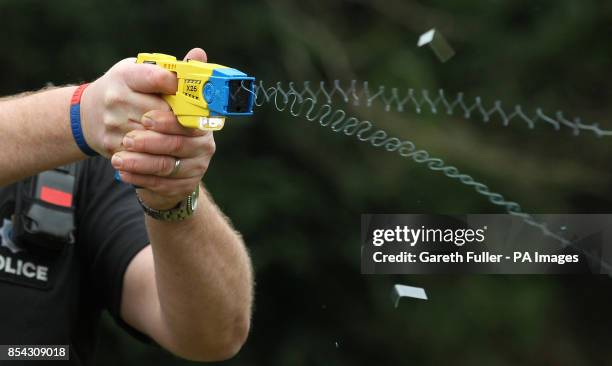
{"points": [[207, 93]]}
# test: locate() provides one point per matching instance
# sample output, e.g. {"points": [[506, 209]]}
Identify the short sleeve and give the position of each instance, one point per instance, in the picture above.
{"points": [[110, 231]]}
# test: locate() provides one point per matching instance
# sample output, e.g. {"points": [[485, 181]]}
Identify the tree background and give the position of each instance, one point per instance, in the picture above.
{"points": [[296, 191]]}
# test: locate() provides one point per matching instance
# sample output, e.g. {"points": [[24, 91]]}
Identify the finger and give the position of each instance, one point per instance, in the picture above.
{"points": [[196, 54], [122, 120], [113, 140], [113, 143], [156, 143], [147, 78], [165, 186], [160, 165], [164, 121], [140, 103]]}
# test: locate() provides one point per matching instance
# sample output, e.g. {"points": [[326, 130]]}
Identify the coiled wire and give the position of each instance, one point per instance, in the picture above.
{"points": [[360, 93], [338, 121]]}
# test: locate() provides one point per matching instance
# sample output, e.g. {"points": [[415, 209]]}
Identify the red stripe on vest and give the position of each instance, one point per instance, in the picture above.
{"points": [[56, 197]]}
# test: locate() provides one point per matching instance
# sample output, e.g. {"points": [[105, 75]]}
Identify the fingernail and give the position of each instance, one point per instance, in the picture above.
{"points": [[128, 141], [116, 161], [147, 121]]}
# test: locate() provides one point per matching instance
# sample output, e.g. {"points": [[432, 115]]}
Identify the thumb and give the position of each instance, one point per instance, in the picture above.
{"points": [[197, 54]]}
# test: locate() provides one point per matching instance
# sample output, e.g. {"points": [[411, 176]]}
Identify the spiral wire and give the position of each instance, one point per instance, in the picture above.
{"points": [[304, 104], [360, 93]]}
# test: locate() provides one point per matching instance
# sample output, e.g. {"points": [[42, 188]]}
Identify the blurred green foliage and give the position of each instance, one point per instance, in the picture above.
{"points": [[296, 191]]}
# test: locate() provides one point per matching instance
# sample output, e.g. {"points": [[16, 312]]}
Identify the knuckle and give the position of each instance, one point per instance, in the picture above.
{"points": [[160, 117], [122, 65], [202, 165], [153, 77], [164, 166], [140, 142], [112, 97], [107, 144], [163, 107], [177, 144], [110, 122], [205, 146], [156, 184], [130, 163], [210, 147]]}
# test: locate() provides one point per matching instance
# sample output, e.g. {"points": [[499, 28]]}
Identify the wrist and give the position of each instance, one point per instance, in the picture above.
{"points": [[162, 202], [179, 211], [77, 124], [157, 201], [88, 120]]}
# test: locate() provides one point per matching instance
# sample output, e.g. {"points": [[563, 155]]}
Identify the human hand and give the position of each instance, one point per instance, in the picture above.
{"points": [[150, 154], [114, 104]]}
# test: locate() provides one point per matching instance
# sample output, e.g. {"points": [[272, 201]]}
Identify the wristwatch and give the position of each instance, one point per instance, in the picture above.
{"points": [[181, 211]]}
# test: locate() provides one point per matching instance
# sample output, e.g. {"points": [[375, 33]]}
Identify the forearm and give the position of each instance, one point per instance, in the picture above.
{"points": [[204, 281], [36, 134]]}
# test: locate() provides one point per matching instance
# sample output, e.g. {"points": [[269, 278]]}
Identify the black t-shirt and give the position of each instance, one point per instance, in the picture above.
{"points": [[57, 299]]}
